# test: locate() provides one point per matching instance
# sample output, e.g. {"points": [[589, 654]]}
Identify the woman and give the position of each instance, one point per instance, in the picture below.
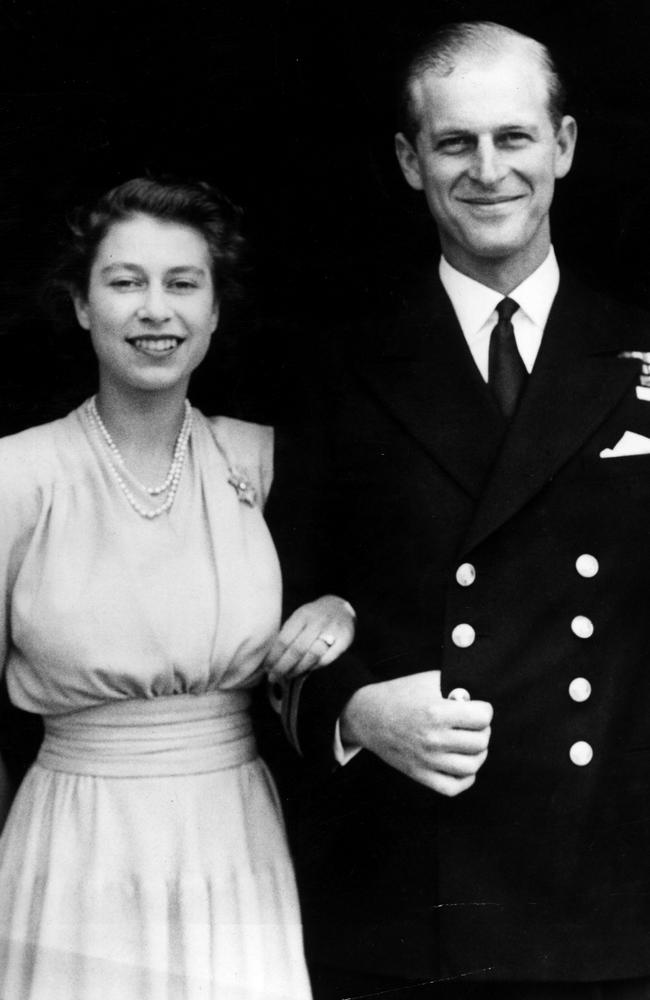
{"points": [[144, 855]]}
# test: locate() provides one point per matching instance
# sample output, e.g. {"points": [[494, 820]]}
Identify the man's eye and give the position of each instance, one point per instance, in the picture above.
{"points": [[455, 144], [514, 139]]}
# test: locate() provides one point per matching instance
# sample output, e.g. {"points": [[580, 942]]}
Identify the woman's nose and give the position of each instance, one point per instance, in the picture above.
{"points": [[154, 307]]}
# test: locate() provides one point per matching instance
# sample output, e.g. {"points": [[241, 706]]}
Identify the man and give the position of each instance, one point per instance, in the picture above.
{"points": [[483, 503]]}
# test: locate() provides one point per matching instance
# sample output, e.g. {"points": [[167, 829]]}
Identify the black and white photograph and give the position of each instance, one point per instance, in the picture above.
{"points": [[324, 493]]}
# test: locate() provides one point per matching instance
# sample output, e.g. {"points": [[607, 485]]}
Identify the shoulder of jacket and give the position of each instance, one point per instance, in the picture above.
{"points": [[601, 302]]}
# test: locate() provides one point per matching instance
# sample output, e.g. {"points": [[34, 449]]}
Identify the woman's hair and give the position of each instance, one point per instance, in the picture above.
{"points": [[190, 203]]}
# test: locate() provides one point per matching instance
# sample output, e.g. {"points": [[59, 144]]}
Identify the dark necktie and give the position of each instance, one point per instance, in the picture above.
{"points": [[506, 370]]}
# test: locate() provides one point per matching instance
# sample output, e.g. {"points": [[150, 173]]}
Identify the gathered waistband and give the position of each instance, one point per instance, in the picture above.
{"points": [[177, 734]]}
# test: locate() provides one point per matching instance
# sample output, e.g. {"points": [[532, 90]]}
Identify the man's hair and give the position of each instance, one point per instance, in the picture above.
{"points": [[440, 53]]}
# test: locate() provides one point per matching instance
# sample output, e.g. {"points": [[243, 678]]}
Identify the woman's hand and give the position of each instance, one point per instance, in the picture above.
{"points": [[313, 636]]}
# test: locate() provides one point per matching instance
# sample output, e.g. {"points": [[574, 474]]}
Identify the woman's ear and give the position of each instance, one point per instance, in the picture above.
{"points": [[215, 316], [81, 309]]}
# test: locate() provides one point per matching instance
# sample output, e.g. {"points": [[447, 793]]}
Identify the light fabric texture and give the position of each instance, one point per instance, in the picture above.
{"points": [[144, 857]]}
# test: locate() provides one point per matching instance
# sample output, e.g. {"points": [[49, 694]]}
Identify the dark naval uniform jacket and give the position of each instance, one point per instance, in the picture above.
{"points": [[515, 560]]}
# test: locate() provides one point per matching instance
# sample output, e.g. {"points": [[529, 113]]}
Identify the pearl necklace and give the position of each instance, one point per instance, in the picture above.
{"points": [[181, 441], [117, 463]]}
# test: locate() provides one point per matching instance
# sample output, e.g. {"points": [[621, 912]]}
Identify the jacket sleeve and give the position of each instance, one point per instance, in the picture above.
{"points": [[306, 516]]}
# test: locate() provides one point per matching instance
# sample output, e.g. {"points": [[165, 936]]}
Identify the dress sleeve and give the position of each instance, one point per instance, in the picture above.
{"points": [[19, 505], [248, 449], [15, 509]]}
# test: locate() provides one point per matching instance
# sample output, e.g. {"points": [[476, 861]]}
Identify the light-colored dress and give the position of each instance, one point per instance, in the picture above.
{"points": [[144, 857]]}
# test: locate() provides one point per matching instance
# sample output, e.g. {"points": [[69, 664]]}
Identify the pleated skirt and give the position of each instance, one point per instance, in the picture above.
{"points": [[145, 858]]}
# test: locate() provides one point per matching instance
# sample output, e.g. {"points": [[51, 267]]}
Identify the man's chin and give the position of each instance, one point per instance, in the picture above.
{"points": [[497, 246]]}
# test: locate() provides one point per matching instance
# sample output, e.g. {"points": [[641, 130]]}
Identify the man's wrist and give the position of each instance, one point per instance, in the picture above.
{"points": [[351, 725]]}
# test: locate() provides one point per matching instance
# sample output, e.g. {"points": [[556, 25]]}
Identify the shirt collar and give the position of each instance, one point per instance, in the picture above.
{"points": [[474, 303]]}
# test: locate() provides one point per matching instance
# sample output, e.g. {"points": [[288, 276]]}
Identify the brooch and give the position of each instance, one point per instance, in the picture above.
{"points": [[644, 358], [246, 492]]}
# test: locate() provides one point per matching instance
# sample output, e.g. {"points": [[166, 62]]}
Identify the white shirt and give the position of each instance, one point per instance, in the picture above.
{"points": [[475, 307]]}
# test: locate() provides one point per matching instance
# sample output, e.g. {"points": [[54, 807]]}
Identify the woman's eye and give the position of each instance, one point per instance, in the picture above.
{"points": [[182, 285], [124, 283]]}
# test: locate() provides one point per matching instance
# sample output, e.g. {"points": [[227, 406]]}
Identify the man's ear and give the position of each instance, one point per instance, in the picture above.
{"points": [[409, 161], [565, 140], [81, 309]]}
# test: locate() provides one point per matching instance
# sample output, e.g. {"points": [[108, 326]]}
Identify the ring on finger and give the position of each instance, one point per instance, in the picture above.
{"points": [[327, 638]]}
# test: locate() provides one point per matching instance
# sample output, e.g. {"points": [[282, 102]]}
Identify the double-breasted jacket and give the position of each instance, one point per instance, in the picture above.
{"points": [[515, 559]]}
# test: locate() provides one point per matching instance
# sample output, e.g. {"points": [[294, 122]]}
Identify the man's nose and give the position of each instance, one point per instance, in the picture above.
{"points": [[154, 307], [488, 166]]}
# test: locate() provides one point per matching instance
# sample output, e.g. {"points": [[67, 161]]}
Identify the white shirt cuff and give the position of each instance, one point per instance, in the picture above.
{"points": [[343, 755]]}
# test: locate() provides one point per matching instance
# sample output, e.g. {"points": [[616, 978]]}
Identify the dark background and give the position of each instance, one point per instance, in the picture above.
{"points": [[286, 105]]}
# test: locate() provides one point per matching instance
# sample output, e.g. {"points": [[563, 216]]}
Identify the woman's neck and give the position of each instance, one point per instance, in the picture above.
{"points": [[144, 426]]}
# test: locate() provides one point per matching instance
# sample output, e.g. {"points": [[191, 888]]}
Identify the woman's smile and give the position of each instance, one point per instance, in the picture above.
{"points": [[155, 346]]}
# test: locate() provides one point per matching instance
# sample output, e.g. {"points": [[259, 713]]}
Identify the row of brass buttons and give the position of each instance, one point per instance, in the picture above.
{"points": [[464, 635]]}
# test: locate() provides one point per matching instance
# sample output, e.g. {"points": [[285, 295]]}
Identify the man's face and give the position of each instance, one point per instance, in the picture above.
{"points": [[487, 157]]}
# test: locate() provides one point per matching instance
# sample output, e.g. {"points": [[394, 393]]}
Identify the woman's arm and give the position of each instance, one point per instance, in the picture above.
{"points": [[6, 792], [313, 636]]}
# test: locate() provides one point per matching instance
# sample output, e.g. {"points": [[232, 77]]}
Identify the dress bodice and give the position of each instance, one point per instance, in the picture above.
{"points": [[103, 604]]}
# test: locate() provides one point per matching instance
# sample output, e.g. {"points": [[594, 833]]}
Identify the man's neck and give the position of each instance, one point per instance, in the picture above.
{"points": [[502, 274]]}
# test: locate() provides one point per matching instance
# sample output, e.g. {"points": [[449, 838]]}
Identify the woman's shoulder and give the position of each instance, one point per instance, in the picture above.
{"points": [[33, 455], [242, 432], [248, 449]]}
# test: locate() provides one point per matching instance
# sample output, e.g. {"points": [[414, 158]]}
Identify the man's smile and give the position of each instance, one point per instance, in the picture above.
{"points": [[491, 200]]}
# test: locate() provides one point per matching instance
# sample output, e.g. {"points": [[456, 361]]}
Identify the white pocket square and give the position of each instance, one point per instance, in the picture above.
{"points": [[643, 392], [630, 444]]}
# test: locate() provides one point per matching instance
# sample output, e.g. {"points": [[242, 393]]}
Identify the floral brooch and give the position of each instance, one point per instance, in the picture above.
{"points": [[243, 487]]}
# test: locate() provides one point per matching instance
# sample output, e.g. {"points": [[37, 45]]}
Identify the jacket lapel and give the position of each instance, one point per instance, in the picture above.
{"points": [[577, 380], [425, 375]]}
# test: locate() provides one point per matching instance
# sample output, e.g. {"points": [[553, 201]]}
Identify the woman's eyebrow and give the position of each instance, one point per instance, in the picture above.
{"points": [[119, 264], [185, 268]]}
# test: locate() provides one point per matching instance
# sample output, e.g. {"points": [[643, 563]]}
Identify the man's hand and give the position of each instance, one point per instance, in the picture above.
{"points": [[438, 742]]}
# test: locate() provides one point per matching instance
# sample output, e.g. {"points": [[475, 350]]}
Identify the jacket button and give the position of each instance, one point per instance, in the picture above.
{"points": [[579, 689], [582, 626], [581, 753], [463, 635], [465, 575], [587, 565]]}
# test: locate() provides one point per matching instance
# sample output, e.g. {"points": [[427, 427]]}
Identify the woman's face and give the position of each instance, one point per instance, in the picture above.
{"points": [[151, 308]]}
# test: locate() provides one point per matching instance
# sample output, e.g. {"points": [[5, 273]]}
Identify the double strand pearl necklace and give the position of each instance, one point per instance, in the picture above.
{"points": [[117, 464]]}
